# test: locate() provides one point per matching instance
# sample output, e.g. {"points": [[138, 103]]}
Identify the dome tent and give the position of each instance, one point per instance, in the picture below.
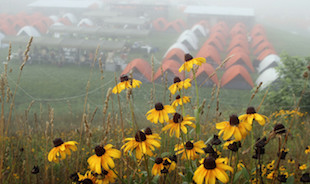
{"points": [[141, 70], [240, 58], [267, 77], [211, 54], [29, 31], [269, 61], [237, 77], [177, 45], [204, 71], [170, 67], [199, 31], [175, 54]]}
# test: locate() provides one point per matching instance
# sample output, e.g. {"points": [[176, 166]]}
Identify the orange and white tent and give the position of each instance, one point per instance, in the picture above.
{"points": [[237, 77], [141, 70], [171, 67]]}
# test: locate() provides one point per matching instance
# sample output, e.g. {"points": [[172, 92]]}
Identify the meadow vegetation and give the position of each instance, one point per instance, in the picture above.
{"points": [[98, 128]]}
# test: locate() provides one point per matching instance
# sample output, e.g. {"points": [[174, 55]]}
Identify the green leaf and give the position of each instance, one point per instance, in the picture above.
{"points": [[290, 180], [237, 176], [245, 173]]}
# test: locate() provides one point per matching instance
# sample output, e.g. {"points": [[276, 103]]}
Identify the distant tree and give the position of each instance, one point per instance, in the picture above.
{"points": [[286, 92]]}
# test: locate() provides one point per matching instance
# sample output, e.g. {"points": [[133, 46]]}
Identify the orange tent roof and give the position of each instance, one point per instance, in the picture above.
{"points": [[238, 30], [240, 24], [204, 23], [219, 36], [223, 24], [258, 30], [265, 53], [237, 43], [169, 65], [238, 49], [40, 26], [17, 25], [256, 40], [207, 69], [214, 42], [174, 26], [181, 23], [7, 29], [142, 66], [240, 56], [160, 23], [263, 46], [219, 28], [175, 53], [240, 37], [213, 54], [233, 72]]}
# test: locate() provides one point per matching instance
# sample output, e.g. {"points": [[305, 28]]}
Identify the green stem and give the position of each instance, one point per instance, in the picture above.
{"points": [[118, 176], [197, 106], [147, 168]]}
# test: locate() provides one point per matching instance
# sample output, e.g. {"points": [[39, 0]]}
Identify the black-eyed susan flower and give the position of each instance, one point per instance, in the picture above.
{"points": [[159, 113], [283, 152], [190, 61], [209, 151], [61, 149], [103, 158], [87, 178], [252, 115], [178, 123], [180, 101], [215, 140], [190, 150], [178, 85], [307, 150], [291, 161], [271, 175], [303, 167], [142, 144], [158, 166], [233, 127], [106, 177], [282, 178], [210, 170], [169, 164], [270, 166], [126, 83]]}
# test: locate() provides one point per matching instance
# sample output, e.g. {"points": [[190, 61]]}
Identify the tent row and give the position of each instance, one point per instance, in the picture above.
{"points": [[162, 24]]}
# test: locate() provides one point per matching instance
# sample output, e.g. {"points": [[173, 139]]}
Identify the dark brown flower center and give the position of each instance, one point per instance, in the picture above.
{"points": [[209, 163], [148, 131], [177, 97], [87, 181], [234, 146], [105, 172], [216, 140], [159, 160], [164, 170], [279, 129], [159, 106], [124, 78], [57, 142], [174, 158], [140, 136], [234, 120], [177, 118], [99, 150], [189, 145], [176, 80], [188, 57], [250, 110]]}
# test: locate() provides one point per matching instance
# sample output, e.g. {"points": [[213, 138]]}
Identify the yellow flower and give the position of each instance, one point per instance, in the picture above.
{"points": [[303, 167], [178, 85], [180, 101], [103, 158], [126, 83], [271, 175], [170, 163], [210, 169], [270, 165], [142, 144], [178, 123], [190, 61], [61, 149], [291, 161], [190, 150], [307, 151], [158, 166], [252, 115], [240, 166], [87, 178], [234, 128], [108, 177], [159, 113]]}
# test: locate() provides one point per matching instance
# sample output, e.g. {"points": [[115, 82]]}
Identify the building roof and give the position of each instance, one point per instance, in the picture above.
{"points": [[217, 10], [63, 4]]}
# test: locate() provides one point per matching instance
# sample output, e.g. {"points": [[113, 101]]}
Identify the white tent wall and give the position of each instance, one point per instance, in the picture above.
{"points": [[85, 21], [199, 30], [268, 62], [267, 77], [177, 45], [29, 31]]}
